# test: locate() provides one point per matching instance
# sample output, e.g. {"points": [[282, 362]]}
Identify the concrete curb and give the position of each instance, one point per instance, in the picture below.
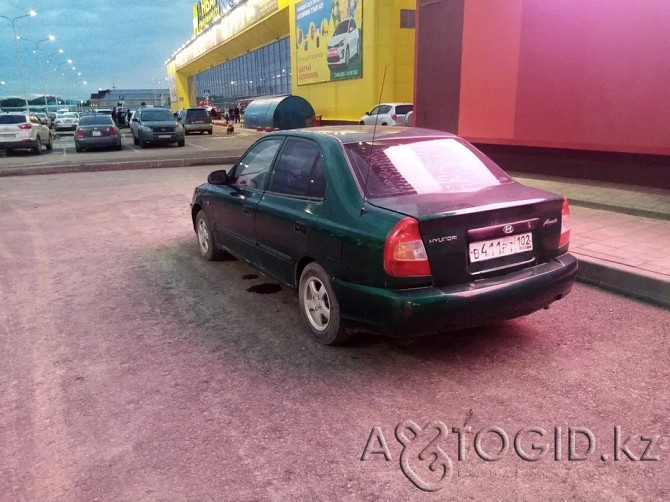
{"points": [[614, 208], [120, 166], [630, 281]]}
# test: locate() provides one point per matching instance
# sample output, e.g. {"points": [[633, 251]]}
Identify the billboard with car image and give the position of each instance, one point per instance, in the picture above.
{"points": [[328, 42]]}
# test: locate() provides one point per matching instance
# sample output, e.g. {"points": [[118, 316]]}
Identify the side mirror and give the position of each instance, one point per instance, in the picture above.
{"points": [[219, 177], [367, 113]]}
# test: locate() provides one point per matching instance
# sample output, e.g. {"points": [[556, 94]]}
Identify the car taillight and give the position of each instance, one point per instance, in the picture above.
{"points": [[79, 133], [111, 131], [25, 126], [404, 252], [394, 116], [565, 225]]}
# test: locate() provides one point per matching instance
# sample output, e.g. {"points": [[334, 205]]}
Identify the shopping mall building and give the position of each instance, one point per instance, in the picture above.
{"points": [[572, 87], [333, 53]]}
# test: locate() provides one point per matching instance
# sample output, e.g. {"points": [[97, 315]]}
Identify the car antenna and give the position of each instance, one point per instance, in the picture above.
{"points": [[372, 144]]}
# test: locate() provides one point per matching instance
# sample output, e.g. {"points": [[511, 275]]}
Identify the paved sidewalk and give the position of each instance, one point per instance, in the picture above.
{"points": [[620, 234]]}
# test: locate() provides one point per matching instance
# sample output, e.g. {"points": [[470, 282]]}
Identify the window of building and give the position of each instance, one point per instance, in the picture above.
{"points": [[407, 18]]}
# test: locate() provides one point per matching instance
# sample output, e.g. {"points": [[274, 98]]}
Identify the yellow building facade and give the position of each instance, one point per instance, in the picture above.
{"points": [[343, 56]]}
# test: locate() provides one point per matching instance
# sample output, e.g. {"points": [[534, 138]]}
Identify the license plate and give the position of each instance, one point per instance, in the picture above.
{"points": [[163, 136], [96, 133], [497, 248]]}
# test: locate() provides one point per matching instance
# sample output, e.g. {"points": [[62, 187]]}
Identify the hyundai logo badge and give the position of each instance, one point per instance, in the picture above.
{"points": [[508, 229]]}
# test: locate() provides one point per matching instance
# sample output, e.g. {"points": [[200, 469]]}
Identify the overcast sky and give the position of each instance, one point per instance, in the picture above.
{"points": [[121, 43]]}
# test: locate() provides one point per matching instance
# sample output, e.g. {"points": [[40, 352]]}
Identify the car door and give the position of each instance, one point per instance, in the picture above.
{"points": [[234, 204], [372, 116], [287, 216]]}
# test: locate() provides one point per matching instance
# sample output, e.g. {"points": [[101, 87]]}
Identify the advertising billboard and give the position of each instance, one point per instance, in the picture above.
{"points": [[328, 41]]}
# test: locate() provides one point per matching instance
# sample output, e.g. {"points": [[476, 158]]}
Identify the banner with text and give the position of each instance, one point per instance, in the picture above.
{"points": [[328, 41]]}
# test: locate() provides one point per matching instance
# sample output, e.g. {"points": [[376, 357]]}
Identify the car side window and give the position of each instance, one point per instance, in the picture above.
{"points": [[375, 110], [253, 169], [384, 109], [299, 170]]}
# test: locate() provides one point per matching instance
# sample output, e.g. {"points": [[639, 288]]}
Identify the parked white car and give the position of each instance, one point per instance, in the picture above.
{"points": [[66, 121], [24, 131], [344, 44], [387, 114]]}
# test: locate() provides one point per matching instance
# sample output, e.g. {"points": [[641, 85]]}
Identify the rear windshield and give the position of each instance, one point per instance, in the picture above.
{"points": [[149, 115], [200, 112], [403, 109], [68, 116], [12, 119], [100, 119], [422, 166]]}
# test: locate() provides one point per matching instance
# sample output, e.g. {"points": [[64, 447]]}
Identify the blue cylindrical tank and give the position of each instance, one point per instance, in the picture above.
{"points": [[282, 112]]}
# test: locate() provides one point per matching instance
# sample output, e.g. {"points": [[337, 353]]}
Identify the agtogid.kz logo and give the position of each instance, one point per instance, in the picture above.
{"points": [[424, 461]]}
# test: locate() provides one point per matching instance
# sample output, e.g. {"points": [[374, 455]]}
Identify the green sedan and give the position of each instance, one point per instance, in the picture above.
{"points": [[398, 231]]}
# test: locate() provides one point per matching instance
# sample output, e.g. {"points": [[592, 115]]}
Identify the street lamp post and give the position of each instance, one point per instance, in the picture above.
{"points": [[50, 38], [2, 82], [32, 13]]}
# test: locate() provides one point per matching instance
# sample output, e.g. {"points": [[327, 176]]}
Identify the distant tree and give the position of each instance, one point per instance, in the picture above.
{"points": [[13, 102]]}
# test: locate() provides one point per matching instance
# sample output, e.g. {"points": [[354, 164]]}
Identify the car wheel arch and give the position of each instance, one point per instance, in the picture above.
{"points": [[300, 266], [194, 212]]}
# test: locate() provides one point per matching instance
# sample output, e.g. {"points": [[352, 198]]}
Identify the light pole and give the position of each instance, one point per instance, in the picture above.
{"points": [[50, 38], [32, 13], [2, 82], [66, 74]]}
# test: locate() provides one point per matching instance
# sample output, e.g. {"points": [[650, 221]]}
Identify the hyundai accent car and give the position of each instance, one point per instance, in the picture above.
{"points": [[399, 231]]}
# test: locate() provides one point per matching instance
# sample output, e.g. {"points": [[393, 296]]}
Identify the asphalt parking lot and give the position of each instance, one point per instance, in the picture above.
{"points": [[63, 153], [134, 370]]}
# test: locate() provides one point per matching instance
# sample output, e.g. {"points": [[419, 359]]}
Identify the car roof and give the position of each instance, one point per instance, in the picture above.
{"points": [[356, 133]]}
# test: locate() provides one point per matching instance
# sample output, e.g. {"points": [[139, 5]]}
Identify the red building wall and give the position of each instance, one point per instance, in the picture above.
{"points": [[576, 74]]}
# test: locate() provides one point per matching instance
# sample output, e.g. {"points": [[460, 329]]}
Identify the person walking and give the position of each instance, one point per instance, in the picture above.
{"points": [[237, 114], [114, 115]]}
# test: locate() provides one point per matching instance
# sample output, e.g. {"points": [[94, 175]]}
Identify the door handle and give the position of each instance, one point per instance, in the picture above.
{"points": [[300, 228], [237, 195], [247, 210]]}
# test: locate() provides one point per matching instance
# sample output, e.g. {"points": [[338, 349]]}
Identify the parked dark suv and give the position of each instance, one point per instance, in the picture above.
{"points": [[195, 120], [154, 125]]}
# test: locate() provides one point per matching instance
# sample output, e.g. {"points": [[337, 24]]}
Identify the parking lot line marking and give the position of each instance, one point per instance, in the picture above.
{"points": [[198, 146]]}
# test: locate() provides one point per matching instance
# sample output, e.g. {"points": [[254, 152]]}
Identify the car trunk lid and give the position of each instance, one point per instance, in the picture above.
{"points": [[470, 235]]}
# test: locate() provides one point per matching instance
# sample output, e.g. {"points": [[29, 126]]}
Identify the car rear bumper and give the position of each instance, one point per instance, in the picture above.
{"points": [[17, 144], [425, 311], [59, 128], [197, 127], [97, 142]]}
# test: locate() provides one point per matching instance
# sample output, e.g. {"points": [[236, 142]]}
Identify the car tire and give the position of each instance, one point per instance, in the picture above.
{"points": [[209, 132], [206, 242], [319, 306], [50, 144], [135, 140], [384, 124], [119, 147], [38, 147], [361, 123], [142, 143], [181, 142], [78, 149]]}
